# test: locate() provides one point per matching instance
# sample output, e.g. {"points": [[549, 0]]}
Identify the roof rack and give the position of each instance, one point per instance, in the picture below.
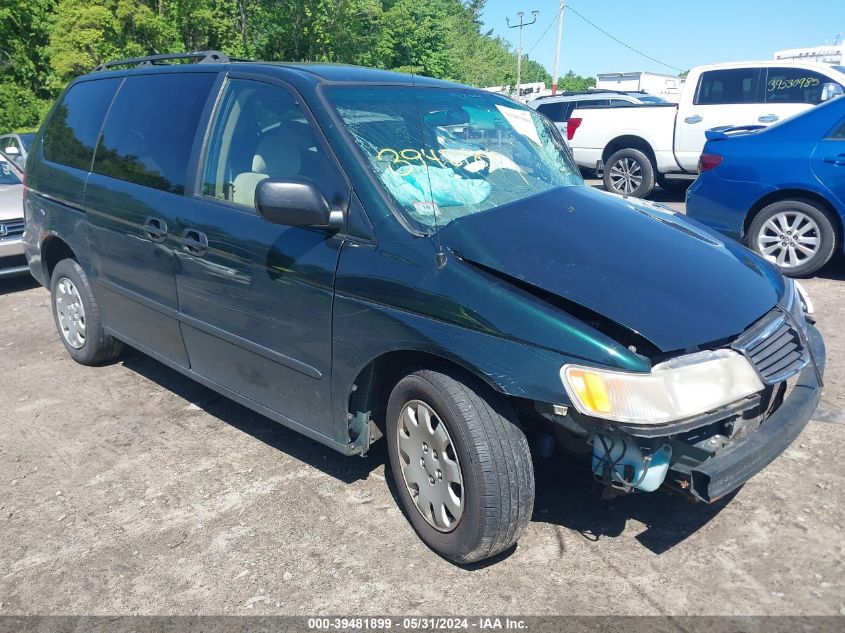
{"points": [[202, 57], [591, 91]]}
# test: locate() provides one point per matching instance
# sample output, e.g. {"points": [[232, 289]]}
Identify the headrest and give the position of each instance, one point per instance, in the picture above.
{"points": [[276, 157]]}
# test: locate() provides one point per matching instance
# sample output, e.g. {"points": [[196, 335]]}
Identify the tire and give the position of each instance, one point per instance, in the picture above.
{"points": [[78, 318], [488, 451], [629, 172], [776, 225]]}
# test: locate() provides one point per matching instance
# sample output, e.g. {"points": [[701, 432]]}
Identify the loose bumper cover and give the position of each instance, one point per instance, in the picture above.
{"points": [[732, 466]]}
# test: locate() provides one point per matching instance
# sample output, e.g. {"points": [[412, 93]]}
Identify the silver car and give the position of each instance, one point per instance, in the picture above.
{"points": [[12, 260], [16, 146]]}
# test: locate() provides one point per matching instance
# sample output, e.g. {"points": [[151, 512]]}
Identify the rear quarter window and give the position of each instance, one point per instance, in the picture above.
{"points": [[150, 129], [552, 111], [70, 134], [838, 132], [794, 85]]}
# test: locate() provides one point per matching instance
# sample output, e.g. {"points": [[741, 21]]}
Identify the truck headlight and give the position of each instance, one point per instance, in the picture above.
{"points": [[674, 390]]}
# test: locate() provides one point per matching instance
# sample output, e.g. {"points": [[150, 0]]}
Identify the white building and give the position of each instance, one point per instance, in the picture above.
{"points": [[666, 86], [827, 54]]}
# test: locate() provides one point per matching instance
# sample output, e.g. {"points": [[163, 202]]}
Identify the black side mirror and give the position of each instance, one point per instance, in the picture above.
{"points": [[295, 203]]}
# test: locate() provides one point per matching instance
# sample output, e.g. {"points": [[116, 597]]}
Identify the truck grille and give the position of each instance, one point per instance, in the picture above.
{"points": [[11, 229], [775, 347]]}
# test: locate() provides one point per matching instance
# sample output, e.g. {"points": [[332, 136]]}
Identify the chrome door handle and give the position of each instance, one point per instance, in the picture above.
{"points": [[768, 118], [693, 119], [194, 242], [155, 229]]}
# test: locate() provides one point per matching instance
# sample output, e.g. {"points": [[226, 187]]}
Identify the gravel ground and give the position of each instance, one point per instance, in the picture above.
{"points": [[129, 489]]}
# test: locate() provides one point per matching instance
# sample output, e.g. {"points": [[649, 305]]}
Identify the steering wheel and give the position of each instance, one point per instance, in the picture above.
{"points": [[481, 172]]}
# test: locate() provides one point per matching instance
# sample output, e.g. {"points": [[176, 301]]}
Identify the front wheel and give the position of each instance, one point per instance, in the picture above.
{"points": [[795, 235], [461, 464], [629, 172]]}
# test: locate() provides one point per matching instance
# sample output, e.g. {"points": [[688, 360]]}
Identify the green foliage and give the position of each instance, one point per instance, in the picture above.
{"points": [[48, 42], [571, 81]]}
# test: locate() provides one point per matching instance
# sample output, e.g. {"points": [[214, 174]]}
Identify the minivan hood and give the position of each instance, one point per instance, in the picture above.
{"points": [[636, 263]]}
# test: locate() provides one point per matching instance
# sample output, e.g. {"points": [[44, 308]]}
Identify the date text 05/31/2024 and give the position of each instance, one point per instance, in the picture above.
{"points": [[415, 624]]}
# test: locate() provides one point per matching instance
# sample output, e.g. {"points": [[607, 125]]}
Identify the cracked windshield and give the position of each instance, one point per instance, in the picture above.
{"points": [[445, 154]]}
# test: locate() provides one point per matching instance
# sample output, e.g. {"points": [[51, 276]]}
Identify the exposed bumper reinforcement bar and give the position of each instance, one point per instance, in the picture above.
{"points": [[736, 464]]}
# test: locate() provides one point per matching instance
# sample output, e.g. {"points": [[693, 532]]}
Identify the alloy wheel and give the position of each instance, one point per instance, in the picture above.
{"points": [[71, 313], [626, 175], [430, 466], [789, 239]]}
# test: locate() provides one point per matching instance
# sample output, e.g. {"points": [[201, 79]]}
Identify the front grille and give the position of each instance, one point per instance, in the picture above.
{"points": [[774, 347], [11, 229]]}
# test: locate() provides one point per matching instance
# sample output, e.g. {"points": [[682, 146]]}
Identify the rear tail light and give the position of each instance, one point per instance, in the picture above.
{"points": [[709, 161], [571, 126]]}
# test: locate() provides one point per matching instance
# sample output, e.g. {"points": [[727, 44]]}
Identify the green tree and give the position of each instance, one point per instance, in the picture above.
{"points": [[571, 81], [45, 43]]}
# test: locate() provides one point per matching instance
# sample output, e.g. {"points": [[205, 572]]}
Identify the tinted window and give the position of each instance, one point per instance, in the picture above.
{"points": [[591, 103], [261, 132], [71, 132], [620, 103], [552, 110], [794, 85], [735, 85], [150, 128], [838, 131], [27, 139]]}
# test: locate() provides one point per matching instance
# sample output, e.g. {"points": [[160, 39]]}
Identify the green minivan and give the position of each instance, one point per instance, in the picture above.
{"points": [[360, 254]]}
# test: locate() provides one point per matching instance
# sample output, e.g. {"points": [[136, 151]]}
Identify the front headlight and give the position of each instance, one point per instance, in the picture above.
{"points": [[677, 389]]}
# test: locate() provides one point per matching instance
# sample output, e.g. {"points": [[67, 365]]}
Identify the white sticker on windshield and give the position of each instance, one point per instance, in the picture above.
{"points": [[427, 208], [521, 121]]}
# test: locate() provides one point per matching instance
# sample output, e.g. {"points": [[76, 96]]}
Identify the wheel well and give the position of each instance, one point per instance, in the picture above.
{"points": [[624, 142], [376, 380], [53, 250], [793, 194]]}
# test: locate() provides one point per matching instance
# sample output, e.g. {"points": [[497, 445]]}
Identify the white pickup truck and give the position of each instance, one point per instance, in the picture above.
{"points": [[639, 145]]}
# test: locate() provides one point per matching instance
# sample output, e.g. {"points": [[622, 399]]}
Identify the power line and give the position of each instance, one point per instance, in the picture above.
{"points": [[616, 39]]}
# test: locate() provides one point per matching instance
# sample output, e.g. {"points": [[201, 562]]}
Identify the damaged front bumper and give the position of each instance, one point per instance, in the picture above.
{"points": [[737, 462], [711, 455]]}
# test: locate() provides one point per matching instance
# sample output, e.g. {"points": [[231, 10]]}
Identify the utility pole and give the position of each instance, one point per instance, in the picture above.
{"points": [[555, 75], [519, 26]]}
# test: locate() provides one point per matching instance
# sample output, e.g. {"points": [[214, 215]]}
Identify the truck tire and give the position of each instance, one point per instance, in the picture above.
{"points": [[629, 172], [671, 184], [78, 317], [460, 462], [798, 236]]}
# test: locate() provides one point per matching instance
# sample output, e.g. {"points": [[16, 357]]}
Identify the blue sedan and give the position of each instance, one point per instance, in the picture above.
{"points": [[780, 190]]}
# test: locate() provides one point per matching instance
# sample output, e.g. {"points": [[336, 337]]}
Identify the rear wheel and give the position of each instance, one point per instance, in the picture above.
{"points": [[796, 235], [78, 317], [461, 464], [629, 172]]}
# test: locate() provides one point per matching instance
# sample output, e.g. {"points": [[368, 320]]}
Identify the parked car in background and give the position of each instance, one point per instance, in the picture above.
{"points": [[558, 107], [645, 145], [780, 190], [12, 260], [16, 146], [359, 254]]}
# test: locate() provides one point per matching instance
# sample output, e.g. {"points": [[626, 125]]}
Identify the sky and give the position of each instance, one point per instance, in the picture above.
{"points": [[680, 33]]}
